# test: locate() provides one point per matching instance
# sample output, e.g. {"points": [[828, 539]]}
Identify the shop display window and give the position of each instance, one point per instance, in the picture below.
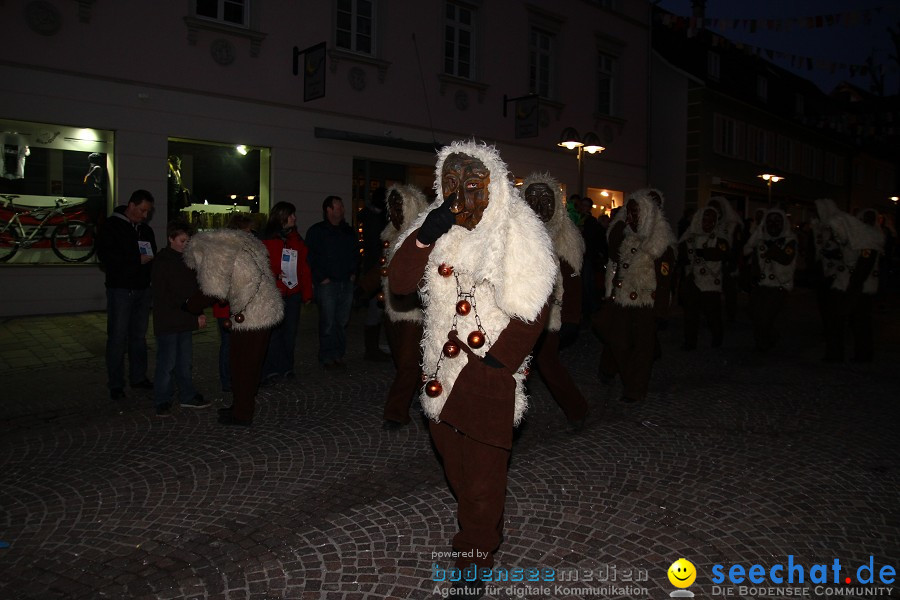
{"points": [[55, 188], [207, 182]]}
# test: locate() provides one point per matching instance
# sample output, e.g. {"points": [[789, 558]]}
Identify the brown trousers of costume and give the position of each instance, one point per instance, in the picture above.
{"points": [[557, 377], [696, 303], [765, 304], [403, 338], [477, 475], [248, 352], [853, 309], [629, 341]]}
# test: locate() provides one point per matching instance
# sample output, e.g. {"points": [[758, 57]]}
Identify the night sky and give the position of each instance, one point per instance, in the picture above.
{"points": [[848, 32]]}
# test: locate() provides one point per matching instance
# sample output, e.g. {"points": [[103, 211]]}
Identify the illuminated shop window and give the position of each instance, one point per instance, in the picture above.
{"points": [[55, 188], [206, 182]]}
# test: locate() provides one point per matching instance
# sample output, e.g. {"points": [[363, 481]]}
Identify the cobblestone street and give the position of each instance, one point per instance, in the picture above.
{"points": [[735, 458]]}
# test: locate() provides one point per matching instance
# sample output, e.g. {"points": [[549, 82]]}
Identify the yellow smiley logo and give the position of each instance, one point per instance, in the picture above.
{"points": [[682, 573]]}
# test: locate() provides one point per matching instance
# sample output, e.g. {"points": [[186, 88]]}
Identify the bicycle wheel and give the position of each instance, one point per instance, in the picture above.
{"points": [[9, 243], [73, 241]]}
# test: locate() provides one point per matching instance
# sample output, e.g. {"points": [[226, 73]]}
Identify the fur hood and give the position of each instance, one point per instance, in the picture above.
{"points": [[696, 226], [414, 203], [567, 242], [853, 233], [232, 265], [494, 250], [507, 262], [635, 270], [760, 234]]}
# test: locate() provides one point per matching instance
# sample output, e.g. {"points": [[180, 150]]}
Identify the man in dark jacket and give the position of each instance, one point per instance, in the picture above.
{"points": [[126, 245], [333, 258]]}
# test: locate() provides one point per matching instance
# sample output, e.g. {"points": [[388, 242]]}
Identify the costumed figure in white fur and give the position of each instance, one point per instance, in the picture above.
{"points": [[402, 314], [855, 282], [638, 289], [731, 227], [233, 266], [701, 251], [772, 250], [544, 195], [485, 268]]}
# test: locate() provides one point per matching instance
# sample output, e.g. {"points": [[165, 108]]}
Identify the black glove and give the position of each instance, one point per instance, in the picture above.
{"points": [[437, 223]]}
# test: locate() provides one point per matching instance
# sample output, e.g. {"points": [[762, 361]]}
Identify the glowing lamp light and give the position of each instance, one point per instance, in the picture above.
{"points": [[241, 149]]}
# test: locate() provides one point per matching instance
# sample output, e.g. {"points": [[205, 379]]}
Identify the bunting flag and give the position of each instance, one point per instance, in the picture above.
{"points": [[852, 18]]}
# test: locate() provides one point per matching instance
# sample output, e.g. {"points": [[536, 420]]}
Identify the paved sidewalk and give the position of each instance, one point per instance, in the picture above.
{"points": [[734, 458]]}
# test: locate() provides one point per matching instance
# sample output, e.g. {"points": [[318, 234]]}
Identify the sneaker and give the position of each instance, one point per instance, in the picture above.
{"points": [[196, 402], [144, 384], [117, 394], [164, 410]]}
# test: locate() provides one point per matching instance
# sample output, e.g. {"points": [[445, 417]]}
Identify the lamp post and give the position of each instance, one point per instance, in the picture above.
{"points": [[590, 144], [770, 179]]}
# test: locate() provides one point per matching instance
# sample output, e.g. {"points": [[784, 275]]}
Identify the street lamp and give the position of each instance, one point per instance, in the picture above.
{"points": [[770, 179], [590, 144]]}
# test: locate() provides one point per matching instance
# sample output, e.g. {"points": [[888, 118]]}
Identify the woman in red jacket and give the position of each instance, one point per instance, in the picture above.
{"points": [[287, 257]]}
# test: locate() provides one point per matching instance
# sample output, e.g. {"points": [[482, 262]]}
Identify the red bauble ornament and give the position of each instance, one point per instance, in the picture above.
{"points": [[384, 272], [433, 388], [451, 350], [445, 270], [386, 245], [239, 318], [463, 307], [382, 261], [476, 339], [380, 296], [227, 324]]}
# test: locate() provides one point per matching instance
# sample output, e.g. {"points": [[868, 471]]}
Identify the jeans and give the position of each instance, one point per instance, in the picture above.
{"points": [[127, 317], [174, 352], [224, 354], [335, 299], [280, 355]]}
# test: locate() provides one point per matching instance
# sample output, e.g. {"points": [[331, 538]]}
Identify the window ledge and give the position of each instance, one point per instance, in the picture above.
{"points": [[194, 25], [447, 80], [337, 55]]}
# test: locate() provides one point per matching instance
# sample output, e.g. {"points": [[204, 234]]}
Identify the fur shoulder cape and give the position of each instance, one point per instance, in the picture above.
{"points": [[232, 265]]}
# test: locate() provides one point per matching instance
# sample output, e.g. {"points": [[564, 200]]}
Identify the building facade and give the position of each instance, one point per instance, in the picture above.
{"points": [[232, 105]]}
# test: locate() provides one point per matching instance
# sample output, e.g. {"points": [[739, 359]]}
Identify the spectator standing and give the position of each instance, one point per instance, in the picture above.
{"points": [[288, 259], [125, 247], [333, 260], [173, 284]]}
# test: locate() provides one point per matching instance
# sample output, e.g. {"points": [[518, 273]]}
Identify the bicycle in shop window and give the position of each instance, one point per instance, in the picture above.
{"points": [[70, 237]]}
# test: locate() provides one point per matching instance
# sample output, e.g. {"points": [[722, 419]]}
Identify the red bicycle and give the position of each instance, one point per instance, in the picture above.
{"points": [[71, 239]]}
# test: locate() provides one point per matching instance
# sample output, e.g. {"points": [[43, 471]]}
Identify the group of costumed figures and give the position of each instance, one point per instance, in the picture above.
{"points": [[487, 276]]}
